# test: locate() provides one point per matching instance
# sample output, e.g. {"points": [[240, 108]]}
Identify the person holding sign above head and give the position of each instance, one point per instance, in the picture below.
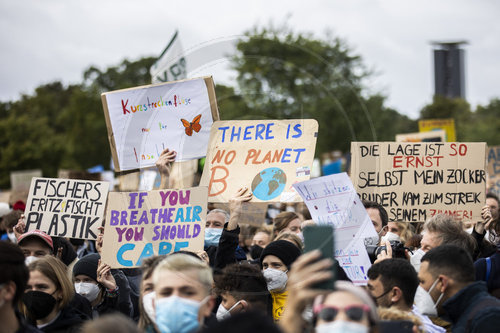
{"points": [[48, 296], [229, 251], [164, 165], [106, 290], [214, 226], [182, 284], [222, 232]]}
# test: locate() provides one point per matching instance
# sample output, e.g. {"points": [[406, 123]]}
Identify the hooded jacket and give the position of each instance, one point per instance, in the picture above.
{"points": [[472, 309]]}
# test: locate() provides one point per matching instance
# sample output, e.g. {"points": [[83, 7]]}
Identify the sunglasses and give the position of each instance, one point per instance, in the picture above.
{"points": [[328, 313]]}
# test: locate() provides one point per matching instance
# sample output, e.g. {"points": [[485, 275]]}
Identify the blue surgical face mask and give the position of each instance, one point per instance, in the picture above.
{"points": [[212, 236], [177, 315]]}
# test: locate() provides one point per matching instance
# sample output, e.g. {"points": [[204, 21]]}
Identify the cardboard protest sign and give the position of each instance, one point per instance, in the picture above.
{"points": [[252, 213], [431, 136], [494, 185], [333, 200], [415, 181], [182, 174], [448, 125], [21, 180], [494, 161], [494, 170], [66, 207], [267, 156], [143, 224], [143, 121]]}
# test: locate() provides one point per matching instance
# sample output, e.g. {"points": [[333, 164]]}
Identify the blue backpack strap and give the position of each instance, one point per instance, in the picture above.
{"points": [[488, 268]]}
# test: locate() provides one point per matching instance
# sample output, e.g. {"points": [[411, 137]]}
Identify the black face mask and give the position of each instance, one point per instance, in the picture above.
{"points": [[256, 251], [38, 303]]}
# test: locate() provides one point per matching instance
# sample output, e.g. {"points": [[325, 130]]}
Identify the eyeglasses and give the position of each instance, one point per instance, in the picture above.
{"points": [[353, 312]]}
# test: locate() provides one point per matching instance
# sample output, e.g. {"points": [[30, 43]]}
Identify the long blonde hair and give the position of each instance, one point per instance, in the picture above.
{"points": [[55, 270]]}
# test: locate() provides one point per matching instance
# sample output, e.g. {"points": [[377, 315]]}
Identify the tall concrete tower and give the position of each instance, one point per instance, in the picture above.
{"points": [[449, 69]]}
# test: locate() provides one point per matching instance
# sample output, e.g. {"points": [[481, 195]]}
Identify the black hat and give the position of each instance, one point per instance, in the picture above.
{"points": [[87, 265], [284, 250]]}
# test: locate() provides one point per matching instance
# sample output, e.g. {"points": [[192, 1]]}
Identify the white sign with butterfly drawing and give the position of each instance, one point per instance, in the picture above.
{"points": [[333, 200], [143, 121]]}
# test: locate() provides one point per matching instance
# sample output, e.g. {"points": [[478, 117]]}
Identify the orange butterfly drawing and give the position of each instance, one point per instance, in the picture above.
{"points": [[192, 126]]}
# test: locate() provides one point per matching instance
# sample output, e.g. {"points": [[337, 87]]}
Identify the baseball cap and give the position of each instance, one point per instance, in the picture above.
{"points": [[37, 233]]}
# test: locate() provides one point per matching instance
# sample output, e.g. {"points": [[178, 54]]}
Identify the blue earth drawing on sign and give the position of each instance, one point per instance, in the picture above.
{"points": [[269, 183]]}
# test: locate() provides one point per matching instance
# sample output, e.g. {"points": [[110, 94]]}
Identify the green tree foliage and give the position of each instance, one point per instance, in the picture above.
{"points": [[282, 74], [485, 124], [482, 125], [456, 108], [63, 127]]}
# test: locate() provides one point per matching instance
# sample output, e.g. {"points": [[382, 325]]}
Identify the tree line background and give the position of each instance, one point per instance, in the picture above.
{"points": [[280, 74]]}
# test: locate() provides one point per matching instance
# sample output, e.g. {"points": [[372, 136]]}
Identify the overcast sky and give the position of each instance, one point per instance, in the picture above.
{"points": [[47, 40]]}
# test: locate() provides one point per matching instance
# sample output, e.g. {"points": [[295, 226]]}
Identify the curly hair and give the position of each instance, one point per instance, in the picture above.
{"points": [[244, 281]]}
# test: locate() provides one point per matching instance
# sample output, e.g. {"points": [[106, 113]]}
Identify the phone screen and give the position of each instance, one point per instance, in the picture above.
{"points": [[321, 237]]}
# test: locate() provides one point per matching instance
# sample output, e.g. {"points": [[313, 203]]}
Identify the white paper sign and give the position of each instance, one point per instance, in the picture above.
{"points": [[143, 121], [332, 200]]}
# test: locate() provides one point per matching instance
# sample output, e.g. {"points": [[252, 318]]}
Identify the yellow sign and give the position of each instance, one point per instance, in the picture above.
{"points": [[448, 125]]}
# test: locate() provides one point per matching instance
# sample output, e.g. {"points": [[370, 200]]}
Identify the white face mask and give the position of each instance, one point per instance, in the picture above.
{"points": [[390, 236], [147, 303], [223, 313], [424, 302], [88, 290], [28, 260], [416, 258], [276, 279], [341, 326]]}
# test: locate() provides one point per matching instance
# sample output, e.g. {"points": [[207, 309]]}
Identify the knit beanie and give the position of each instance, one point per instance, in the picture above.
{"points": [[87, 265], [284, 250]]}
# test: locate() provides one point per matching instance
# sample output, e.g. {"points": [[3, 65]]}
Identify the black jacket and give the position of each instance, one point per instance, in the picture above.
{"points": [[472, 309], [24, 327], [119, 301], [69, 320]]}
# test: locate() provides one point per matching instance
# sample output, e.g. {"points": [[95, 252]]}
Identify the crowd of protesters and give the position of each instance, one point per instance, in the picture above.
{"points": [[256, 279]]}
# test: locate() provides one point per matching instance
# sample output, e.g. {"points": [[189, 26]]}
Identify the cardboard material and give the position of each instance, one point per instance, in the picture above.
{"points": [[431, 136], [493, 161], [332, 200], [448, 125], [143, 224], [183, 174], [267, 156], [21, 180], [253, 213], [66, 207], [493, 158], [129, 181], [143, 121], [415, 181]]}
